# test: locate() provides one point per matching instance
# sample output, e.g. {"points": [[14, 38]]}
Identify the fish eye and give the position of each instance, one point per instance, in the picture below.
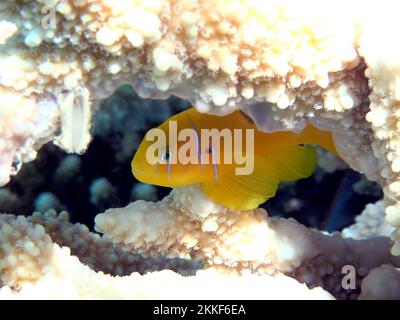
{"points": [[166, 155]]}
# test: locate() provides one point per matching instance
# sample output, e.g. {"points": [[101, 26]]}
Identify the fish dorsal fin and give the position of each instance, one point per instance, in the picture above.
{"points": [[246, 118], [246, 192]]}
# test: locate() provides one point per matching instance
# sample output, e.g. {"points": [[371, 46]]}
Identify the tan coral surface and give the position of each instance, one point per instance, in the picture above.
{"points": [[32, 266], [280, 61], [283, 62], [200, 242]]}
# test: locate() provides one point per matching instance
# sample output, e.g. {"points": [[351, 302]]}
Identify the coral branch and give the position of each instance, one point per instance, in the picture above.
{"points": [[372, 284], [186, 224], [244, 248], [279, 61], [370, 223], [32, 266]]}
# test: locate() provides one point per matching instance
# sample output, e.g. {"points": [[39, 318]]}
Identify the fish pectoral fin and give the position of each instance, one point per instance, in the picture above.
{"points": [[246, 192], [241, 192], [294, 163]]}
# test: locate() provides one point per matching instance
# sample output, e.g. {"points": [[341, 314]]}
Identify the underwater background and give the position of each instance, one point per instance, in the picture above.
{"points": [[88, 184]]}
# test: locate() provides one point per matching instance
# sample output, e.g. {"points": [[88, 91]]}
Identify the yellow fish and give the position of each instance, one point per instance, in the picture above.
{"points": [[236, 165]]}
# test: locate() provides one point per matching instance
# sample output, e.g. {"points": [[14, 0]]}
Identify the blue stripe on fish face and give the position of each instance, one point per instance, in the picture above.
{"points": [[169, 169], [166, 156], [214, 162], [196, 134]]}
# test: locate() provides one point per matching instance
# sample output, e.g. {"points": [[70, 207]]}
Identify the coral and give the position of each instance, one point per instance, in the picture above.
{"points": [[329, 162], [370, 223], [102, 193], [80, 282], [99, 253], [68, 169], [23, 129], [280, 62], [36, 264], [8, 200], [368, 188], [28, 250], [372, 284], [186, 224], [25, 250], [118, 127], [46, 201], [188, 234], [144, 192]]}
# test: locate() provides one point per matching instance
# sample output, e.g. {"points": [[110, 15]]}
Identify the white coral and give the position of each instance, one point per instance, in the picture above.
{"points": [[279, 61], [300, 64], [34, 267], [80, 282], [186, 224], [370, 223], [23, 129], [243, 253]]}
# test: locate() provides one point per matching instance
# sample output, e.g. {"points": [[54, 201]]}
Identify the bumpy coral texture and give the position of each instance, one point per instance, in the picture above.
{"points": [[35, 266], [370, 223], [372, 287], [186, 224], [280, 61], [241, 253]]}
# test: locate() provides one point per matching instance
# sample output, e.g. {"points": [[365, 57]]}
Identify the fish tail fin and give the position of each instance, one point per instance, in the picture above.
{"points": [[246, 192], [313, 135]]}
